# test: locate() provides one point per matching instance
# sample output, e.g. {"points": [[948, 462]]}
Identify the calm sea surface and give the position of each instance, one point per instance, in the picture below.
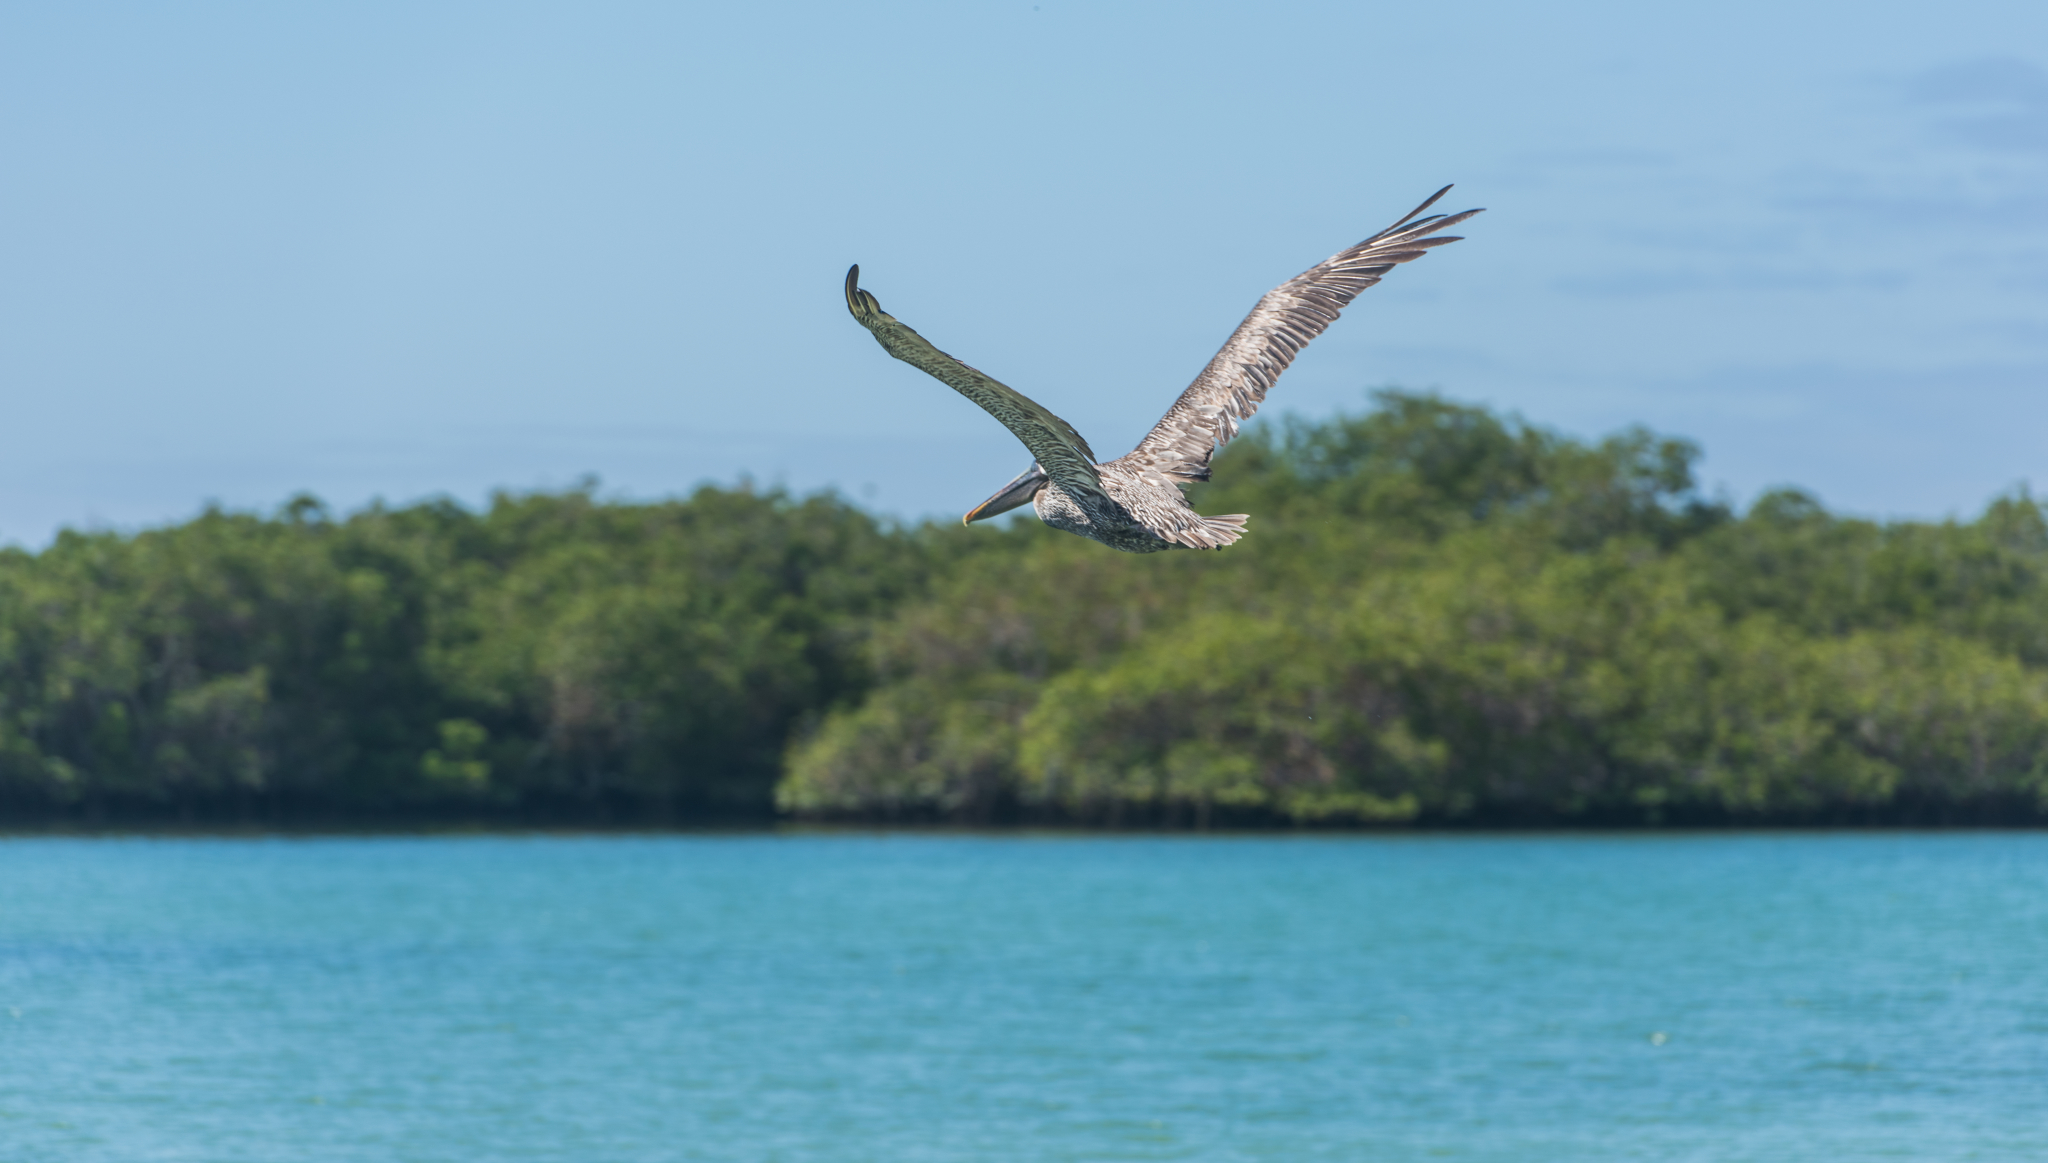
{"points": [[1025, 998]]}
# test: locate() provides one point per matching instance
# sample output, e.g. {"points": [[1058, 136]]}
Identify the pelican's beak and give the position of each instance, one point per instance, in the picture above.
{"points": [[1017, 492]]}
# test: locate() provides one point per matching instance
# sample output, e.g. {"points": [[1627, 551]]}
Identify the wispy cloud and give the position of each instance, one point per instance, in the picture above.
{"points": [[1593, 158], [1636, 283], [1996, 104]]}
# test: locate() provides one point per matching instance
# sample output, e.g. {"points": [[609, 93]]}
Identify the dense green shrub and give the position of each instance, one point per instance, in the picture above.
{"points": [[552, 654], [1443, 614], [1440, 614]]}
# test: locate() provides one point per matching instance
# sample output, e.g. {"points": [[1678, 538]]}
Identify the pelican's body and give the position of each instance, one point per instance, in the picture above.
{"points": [[1128, 512], [1134, 502]]}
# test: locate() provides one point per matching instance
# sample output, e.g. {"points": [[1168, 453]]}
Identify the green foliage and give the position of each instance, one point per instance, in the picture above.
{"points": [[1441, 614], [551, 654], [458, 762]]}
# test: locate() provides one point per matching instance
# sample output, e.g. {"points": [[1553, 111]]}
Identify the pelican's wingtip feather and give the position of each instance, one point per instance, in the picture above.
{"points": [[1426, 204], [862, 303]]}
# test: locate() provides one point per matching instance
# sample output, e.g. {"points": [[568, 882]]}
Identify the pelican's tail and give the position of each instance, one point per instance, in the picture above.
{"points": [[1225, 530], [1194, 531]]}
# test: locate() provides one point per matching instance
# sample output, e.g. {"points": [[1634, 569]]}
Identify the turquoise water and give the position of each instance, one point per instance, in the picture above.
{"points": [[1025, 998]]}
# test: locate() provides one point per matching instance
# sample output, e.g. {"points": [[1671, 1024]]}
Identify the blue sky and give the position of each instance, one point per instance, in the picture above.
{"points": [[405, 249]]}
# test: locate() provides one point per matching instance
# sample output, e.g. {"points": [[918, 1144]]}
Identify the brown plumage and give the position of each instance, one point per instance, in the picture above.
{"points": [[1134, 502]]}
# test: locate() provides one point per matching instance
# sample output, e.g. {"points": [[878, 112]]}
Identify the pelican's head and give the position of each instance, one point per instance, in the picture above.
{"points": [[1017, 492]]}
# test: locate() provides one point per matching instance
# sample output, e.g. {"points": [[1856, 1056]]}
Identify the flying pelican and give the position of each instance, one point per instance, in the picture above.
{"points": [[1134, 502]]}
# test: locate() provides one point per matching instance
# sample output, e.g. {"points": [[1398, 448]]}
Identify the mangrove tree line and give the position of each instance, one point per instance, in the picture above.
{"points": [[1441, 614]]}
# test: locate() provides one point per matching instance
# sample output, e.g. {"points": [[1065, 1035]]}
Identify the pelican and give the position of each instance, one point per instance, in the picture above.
{"points": [[1134, 502]]}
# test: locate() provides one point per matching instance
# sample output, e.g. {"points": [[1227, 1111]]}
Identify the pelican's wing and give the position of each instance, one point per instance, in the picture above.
{"points": [[1231, 388], [1060, 450]]}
